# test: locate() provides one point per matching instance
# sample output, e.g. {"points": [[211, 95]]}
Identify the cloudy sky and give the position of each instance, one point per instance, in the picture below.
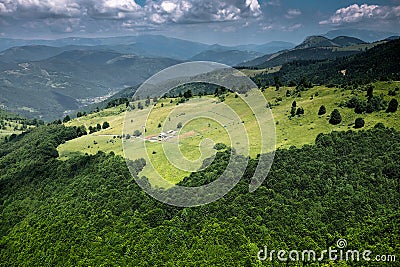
{"points": [[209, 21]]}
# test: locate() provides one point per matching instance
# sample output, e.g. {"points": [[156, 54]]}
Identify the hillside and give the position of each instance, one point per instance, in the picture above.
{"points": [[366, 35], [88, 210], [144, 45], [313, 48], [303, 129], [378, 63], [68, 199], [227, 57], [12, 125], [317, 41], [268, 48], [22, 54], [284, 57], [347, 41], [70, 80]]}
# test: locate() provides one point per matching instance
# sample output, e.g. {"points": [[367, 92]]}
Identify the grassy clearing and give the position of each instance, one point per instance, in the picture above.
{"points": [[252, 73], [216, 122], [302, 130], [8, 128]]}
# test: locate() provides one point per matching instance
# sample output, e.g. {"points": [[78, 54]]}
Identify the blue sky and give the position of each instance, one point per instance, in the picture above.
{"points": [[209, 21]]}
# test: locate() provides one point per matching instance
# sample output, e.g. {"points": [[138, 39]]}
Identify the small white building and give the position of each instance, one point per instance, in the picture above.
{"points": [[162, 135]]}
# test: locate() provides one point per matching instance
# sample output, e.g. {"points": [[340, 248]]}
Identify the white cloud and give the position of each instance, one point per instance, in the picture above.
{"points": [[113, 9], [274, 3], [292, 13], [194, 11], [126, 13], [254, 7], [280, 27], [39, 9], [363, 13]]}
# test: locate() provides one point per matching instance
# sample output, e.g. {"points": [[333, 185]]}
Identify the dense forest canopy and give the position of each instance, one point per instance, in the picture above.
{"points": [[88, 210], [379, 63]]}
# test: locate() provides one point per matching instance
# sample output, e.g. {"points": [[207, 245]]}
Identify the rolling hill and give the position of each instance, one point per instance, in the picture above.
{"points": [[226, 56], [313, 48], [70, 200], [366, 35], [144, 45], [268, 48], [378, 63], [49, 88], [316, 41]]}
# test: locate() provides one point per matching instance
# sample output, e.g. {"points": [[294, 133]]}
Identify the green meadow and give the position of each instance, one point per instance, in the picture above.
{"points": [[232, 122]]}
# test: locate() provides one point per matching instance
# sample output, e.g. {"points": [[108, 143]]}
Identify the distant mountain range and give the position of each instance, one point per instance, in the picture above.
{"points": [[225, 56], [378, 63], [70, 80], [47, 78], [313, 48], [146, 45], [366, 35], [321, 41]]}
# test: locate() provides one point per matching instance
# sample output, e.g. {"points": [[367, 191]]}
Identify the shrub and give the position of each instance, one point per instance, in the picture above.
{"points": [[393, 105], [106, 125], [336, 118], [359, 123], [322, 110], [137, 133], [220, 146]]}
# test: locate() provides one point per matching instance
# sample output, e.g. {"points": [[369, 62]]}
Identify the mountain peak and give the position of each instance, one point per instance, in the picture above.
{"points": [[348, 41], [322, 41], [316, 41]]}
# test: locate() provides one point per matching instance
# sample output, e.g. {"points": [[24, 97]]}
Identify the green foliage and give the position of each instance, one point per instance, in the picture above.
{"points": [[220, 146], [322, 110], [66, 119], [99, 127], [88, 211], [300, 111], [335, 118], [137, 133], [393, 105], [117, 102], [373, 104], [188, 94], [80, 114], [378, 63], [293, 111], [359, 123], [105, 125]]}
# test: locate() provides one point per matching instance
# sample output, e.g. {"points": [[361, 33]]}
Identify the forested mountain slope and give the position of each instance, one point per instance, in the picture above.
{"points": [[379, 63], [88, 210]]}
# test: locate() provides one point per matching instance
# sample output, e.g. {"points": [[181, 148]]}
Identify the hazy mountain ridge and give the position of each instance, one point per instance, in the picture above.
{"points": [[321, 41], [313, 48], [366, 35], [378, 63], [49, 87], [83, 74], [228, 57], [144, 45]]}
